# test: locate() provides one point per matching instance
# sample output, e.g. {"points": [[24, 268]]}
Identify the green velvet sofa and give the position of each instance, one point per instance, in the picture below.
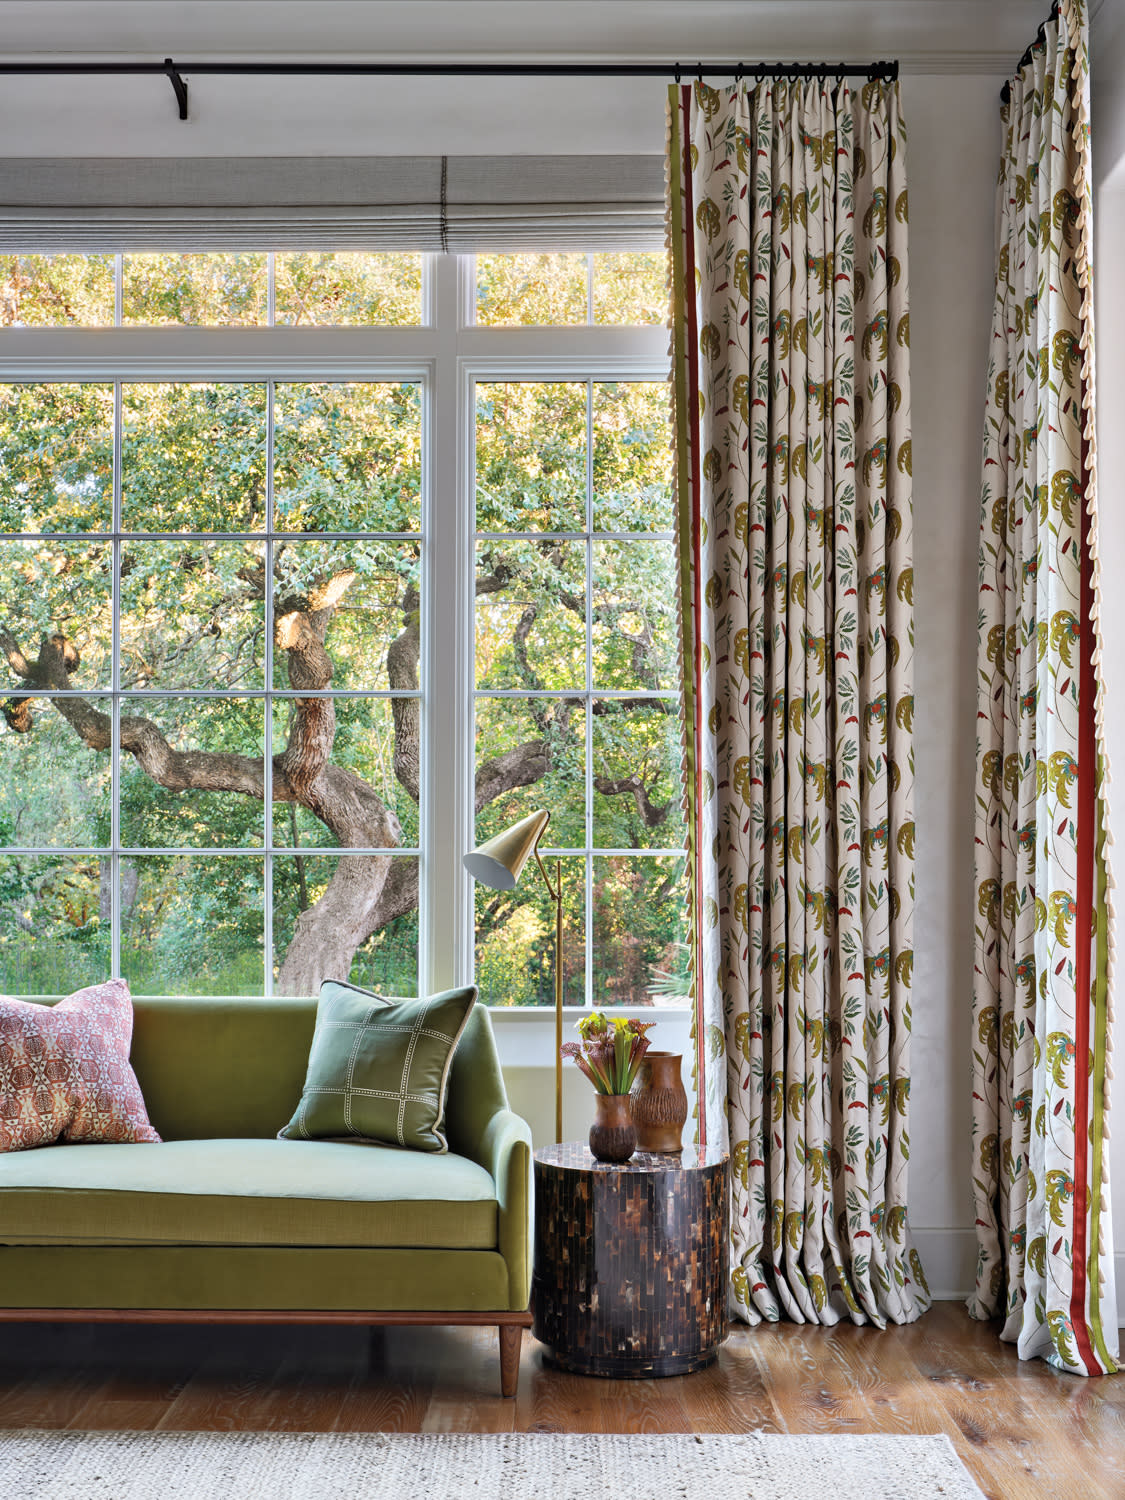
{"points": [[225, 1223]]}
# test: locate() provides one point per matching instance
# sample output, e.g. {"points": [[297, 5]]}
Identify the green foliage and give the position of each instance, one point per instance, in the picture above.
{"points": [[530, 289], [193, 457], [53, 291], [214, 289], [631, 288], [56, 457], [346, 288], [163, 290], [531, 456], [554, 289], [347, 458], [640, 926]]}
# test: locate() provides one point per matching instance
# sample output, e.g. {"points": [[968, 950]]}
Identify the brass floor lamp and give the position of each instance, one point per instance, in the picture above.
{"points": [[498, 863]]}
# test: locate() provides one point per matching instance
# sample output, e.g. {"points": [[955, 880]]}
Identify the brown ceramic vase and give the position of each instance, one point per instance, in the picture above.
{"points": [[659, 1103], [612, 1136]]}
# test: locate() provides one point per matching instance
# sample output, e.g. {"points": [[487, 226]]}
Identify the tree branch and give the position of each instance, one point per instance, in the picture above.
{"points": [[653, 813], [522, 766]]}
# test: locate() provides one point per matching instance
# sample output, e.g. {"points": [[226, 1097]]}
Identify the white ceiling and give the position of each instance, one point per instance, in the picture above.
{"points": [[638, 29], [239, 116]]}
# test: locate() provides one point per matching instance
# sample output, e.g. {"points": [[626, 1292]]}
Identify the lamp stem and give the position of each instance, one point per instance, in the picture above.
{"points": [[556, 896]]}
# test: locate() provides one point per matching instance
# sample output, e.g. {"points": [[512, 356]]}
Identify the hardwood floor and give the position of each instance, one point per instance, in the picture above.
{"points": [[1024, 1430]]}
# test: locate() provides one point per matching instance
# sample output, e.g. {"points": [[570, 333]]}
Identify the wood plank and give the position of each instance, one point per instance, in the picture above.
{"points": [[1024, 1430], [466, 1383], [731, 1394]]}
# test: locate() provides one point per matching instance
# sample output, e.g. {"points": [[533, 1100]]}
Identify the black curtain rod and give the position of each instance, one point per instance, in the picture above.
{"points": [[1040, 38], [174, 71]]}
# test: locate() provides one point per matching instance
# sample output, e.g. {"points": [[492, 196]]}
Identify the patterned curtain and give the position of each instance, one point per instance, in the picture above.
{"points": [[1041, 1023], [787, 229]]}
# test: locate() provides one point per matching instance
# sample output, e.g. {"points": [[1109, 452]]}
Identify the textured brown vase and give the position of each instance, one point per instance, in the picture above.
{"points": [[612, 1136], [659, 1103]]}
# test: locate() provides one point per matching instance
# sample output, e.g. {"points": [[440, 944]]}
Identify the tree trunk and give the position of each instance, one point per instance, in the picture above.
{"points": [[328, 935]]}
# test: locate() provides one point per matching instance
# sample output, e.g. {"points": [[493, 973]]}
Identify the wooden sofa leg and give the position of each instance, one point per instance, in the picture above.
{"points": [[511, 1338]]}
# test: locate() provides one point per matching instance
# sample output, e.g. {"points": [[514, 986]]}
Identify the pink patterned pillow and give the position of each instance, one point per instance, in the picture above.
{"points": [[65, 1073]]}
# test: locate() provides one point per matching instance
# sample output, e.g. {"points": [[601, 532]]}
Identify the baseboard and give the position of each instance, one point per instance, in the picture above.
{"points": [[949, 1259]]}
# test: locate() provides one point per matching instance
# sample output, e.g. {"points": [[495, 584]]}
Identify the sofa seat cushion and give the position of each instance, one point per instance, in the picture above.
{"points": [[246, 1192]]}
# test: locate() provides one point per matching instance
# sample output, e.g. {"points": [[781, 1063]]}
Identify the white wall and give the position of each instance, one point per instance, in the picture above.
{"points": [[954, 143]]}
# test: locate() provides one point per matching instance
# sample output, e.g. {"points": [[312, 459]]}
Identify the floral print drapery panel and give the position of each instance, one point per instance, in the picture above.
{"points": [[1040, 1022], [787, 229]]}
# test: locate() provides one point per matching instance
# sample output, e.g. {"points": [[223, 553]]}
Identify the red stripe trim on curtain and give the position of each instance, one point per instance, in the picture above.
{"points": [[692, 440], [1084, 915]]}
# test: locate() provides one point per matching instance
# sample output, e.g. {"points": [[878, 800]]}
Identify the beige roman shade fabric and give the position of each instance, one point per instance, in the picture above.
{"points": [[456, 203]]}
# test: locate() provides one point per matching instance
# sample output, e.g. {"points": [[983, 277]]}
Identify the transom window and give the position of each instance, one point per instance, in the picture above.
{"points": [[267, 679]]}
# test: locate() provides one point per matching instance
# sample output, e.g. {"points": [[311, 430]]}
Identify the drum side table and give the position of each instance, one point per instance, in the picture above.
{"points": [[631, 1261]]}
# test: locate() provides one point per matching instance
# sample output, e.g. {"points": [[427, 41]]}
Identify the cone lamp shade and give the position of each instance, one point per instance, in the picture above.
{"points": [[499, 861]]}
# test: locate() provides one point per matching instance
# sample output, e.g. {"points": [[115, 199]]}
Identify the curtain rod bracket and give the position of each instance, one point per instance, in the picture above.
{"points": [[179, 87]]}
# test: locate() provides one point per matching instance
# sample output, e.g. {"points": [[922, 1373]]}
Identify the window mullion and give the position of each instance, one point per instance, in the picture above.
{"points": [[267, 728], [445, 893]]}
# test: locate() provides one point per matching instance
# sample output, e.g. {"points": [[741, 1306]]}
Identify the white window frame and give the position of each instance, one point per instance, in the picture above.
{"points": [[447, 355]]}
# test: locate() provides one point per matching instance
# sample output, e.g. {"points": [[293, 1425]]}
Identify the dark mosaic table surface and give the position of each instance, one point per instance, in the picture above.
{"points": [[631, 1261]]}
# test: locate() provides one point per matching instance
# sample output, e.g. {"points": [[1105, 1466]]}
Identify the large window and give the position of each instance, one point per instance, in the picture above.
{"points": [[267, 679]]}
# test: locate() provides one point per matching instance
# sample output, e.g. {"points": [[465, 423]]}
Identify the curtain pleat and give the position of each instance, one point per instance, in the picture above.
{"points": [[1040, 1001], [787, 229]]}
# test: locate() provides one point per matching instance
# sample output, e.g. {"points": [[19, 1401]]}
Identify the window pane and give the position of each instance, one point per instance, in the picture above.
{"points": [[640, 931], [531, 289], [365, 743], [632, 457], [345, 288], [637, 774], [56, 457], [54, 924], [348, 457], [634, 609], [54, 790], [192, 615], [192, 925], [515, 944], [372, 590], [531, 615], [194, 457], [53, 291], [531, 754], [631, 288], [56, 597], [531, 456], [199, 742], [387, 961], [217, 290]]}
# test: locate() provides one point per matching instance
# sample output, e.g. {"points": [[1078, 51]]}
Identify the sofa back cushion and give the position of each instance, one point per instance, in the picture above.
{"points": [[213, 1068]]}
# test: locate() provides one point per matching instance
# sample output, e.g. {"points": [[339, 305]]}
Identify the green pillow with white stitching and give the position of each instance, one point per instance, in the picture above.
{"points": [[379, 1067]]}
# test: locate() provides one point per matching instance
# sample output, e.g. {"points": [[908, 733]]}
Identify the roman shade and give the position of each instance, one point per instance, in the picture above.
{"points": [[429, 203]]}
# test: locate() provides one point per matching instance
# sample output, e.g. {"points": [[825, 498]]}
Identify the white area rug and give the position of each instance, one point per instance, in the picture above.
{"points": [[525, 1466]]}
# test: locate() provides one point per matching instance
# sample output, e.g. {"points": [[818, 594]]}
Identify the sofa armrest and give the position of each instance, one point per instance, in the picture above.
{"points": [[505, 1151]]}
